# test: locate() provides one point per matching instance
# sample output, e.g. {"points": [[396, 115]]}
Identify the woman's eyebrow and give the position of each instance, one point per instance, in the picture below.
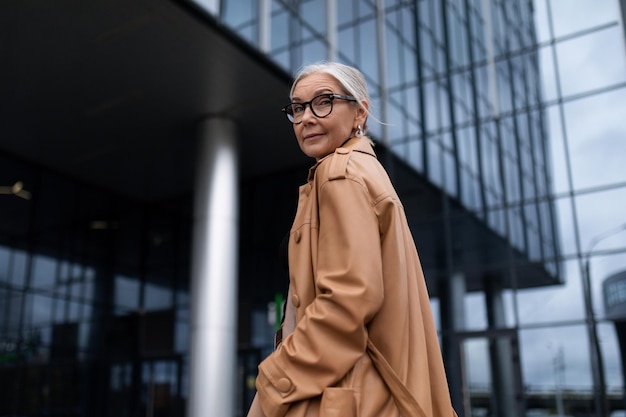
{"points": [[316, 93]]}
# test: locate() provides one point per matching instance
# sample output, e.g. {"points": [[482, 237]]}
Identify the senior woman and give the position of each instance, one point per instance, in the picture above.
{"points": [[358, 337]]}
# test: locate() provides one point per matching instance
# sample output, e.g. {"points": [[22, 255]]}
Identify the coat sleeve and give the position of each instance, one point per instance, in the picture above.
{"points": [[332, 334]]}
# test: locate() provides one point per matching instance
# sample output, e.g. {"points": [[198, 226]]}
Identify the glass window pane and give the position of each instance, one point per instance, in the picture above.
{"points": [[315, 14], [557, 157], [59, 314], [314, 51], [575, 15], [435, 167], [478, 366], [565, 224], [548, 73], [181, 331], [368, 47], [599, 60], [475, 311], [542, 25], [541, 349], [5, 259], [44, 272], [280, 30], [345, 12], [596, 139], [601, 216], [157, 297], [347, 45], [450, 173], [236, 13], [414, 152], [126, 294], [554, 304], [40, 310]]}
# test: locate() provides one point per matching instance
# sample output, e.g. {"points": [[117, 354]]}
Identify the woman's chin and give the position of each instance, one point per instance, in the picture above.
{"points": [[314, 149]]}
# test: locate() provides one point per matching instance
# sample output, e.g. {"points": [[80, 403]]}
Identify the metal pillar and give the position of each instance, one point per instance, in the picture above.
{"points": [[595, 350], [502, 374], [265, 29], [622, 4], [381, 43], [213, 332], [452, 302], [331, 29]]}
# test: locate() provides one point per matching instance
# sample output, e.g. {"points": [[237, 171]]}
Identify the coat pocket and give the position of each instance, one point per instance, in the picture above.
{"points": [[338, 402]]}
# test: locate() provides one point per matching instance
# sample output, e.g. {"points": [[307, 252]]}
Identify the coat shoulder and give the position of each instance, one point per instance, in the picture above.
{"points": [[349, 163]]}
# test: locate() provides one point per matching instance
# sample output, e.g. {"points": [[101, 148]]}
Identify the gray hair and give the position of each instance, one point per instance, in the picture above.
{"points": [[350, 79]]}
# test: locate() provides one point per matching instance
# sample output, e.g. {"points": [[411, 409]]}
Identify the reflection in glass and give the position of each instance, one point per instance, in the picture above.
{"points": [[126, 293]]}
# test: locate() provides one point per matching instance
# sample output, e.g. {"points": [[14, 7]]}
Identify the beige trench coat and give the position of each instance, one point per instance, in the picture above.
{"points": [[354, 273]]}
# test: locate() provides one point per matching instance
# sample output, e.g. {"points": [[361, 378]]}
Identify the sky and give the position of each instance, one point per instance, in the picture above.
{"points": [[595, 133]]}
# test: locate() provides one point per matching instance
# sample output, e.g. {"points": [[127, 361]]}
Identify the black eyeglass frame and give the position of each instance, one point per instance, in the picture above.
{"points": [[288, 110]]}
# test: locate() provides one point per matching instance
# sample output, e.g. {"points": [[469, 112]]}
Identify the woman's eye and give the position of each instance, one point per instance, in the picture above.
{"points": [[324, 102]]}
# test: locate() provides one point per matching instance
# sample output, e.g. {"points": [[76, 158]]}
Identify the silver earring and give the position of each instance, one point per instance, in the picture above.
{"points": [[359, 131]]}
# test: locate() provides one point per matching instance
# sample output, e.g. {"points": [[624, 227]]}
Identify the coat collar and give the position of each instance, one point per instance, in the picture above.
{"points": [[364, 145]]}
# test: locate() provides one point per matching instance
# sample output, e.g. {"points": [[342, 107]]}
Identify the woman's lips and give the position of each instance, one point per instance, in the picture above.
{"points": [[312, 136]]}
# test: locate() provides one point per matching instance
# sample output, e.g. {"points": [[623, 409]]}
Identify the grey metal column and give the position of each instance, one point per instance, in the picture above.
{"points": [[265, 28], [214, 272], [622, 4], [502, 374], [331, 29], [381, 42], [452, 302]]}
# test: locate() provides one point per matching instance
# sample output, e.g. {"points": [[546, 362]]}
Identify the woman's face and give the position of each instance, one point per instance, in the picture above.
{"points": [[319, 137]]}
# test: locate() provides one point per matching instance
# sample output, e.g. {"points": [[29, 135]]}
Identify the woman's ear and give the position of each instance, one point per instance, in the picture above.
{"points": [[362, 112]]}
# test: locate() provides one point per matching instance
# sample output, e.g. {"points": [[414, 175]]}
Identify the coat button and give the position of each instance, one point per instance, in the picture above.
{"points": [[283, 385], [295, 300], [297, 236]]}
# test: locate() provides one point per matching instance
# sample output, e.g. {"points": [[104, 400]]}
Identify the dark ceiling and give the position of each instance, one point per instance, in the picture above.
{"points": [[110, 91]]}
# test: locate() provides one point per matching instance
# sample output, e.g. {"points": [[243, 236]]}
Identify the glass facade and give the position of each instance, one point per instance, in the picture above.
{"points": [[512, 112], [461, 100], [94, 296]]}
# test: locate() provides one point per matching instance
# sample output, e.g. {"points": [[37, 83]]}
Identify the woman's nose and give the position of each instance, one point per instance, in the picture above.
{"points": [[307, 113]]}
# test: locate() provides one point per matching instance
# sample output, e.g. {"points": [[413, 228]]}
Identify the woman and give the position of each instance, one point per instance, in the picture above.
{"points": [[358, 338]]}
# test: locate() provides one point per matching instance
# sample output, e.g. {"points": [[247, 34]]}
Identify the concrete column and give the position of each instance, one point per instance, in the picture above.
{"points": [[265, 27], [331, 29], [500, 353], [622, 4], [213, 332], [452, 302], [381, 42]]}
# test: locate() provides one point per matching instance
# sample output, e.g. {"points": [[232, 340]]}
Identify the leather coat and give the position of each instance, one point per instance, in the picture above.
{"points": [[354, 274]]}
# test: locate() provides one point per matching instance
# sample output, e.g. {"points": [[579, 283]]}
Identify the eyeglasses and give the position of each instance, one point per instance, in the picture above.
{"points": [[321, 106]]}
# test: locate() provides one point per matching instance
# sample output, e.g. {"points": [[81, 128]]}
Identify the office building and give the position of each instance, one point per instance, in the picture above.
{"points": [[147, 178]]}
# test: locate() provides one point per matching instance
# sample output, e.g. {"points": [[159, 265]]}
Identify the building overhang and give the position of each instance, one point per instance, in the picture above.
{"points": [[108, 91]]}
